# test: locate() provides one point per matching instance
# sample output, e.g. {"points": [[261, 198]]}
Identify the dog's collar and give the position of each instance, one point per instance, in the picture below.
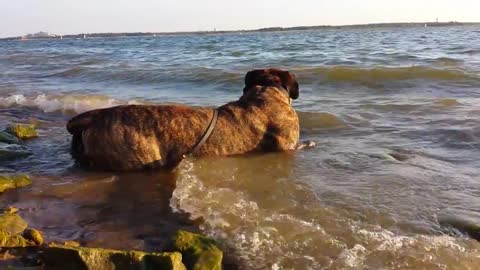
{"points": [[207, 133]]}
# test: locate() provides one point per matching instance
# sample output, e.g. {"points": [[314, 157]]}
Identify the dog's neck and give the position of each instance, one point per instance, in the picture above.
{"points": [[258, 90]]}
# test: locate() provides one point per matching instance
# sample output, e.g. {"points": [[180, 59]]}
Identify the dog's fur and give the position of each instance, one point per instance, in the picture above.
{"points": [[136, 137]]}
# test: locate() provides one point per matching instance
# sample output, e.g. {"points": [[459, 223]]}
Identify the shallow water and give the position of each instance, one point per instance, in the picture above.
{"points": [[394, 112]]}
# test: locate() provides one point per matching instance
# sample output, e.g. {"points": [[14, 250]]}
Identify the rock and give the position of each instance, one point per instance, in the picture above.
{"points": [[8, 138], [71, 244], [33, 235], [11, 226], [467, 222], [73, 258], [199, 252], [22, 131], [13, 151], [12, 223], [7, 240], [9, 210], [11, 182]]}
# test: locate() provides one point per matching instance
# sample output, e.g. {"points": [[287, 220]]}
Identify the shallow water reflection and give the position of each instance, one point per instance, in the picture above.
{"points": [[126, 211]]}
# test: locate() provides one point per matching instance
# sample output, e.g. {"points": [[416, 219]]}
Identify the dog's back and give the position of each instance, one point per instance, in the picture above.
{"points": [[135, 137]]}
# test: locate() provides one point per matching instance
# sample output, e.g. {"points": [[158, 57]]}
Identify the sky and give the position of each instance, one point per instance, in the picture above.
{"points": [[20, 17]]}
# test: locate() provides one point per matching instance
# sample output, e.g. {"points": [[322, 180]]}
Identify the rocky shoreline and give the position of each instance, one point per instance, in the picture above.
{"points": [[22, 247]]}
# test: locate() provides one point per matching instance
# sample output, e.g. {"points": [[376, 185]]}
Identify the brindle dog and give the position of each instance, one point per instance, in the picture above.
{"points": [[136, 137]]}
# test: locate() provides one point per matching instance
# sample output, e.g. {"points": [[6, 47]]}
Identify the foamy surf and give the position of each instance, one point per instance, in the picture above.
{"points": [[63, 103], [268, 235]]}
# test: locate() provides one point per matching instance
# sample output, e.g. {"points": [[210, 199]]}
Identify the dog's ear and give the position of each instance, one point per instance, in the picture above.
{"points": [[272, 77], [289, 82]]}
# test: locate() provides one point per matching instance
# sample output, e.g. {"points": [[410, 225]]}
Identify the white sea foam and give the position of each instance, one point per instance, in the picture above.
{"points": [[62, 103], [267, 238], [353, 257]]}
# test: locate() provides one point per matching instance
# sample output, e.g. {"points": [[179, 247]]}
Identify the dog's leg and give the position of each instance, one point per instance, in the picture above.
{"points": [[173, 160], [77, 150]]}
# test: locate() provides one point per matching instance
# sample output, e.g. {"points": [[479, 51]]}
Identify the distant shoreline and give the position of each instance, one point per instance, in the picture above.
{"points": [[268, 29]]}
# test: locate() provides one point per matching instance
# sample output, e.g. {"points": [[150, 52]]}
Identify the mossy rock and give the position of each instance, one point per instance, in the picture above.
{"points": [[467, 222], [33, 235], [71, 243], [80, 258], [23, 131], [9, 210], [12, 223], [13, 151], [16, 181], [8, 240], [199, 252], [8, 138]]}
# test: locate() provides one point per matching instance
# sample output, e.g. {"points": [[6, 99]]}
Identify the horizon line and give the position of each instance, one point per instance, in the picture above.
{"points": [[263, 29]]}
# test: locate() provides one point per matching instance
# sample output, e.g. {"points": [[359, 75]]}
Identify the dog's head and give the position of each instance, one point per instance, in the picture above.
{"points": [[272, 77]]}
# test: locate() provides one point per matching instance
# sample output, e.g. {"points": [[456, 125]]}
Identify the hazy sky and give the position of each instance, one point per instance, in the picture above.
{"points": [[19, 17]]}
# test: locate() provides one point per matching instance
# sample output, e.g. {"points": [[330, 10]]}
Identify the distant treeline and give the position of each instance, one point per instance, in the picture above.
{"points": [[269, 29], [372, 25]]}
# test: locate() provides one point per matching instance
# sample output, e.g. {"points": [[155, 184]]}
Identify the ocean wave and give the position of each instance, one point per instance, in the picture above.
{"points": [[312, 121], [306, 75], [447, 102], [63, 103], [470, 52], [148, 75], [421, 106], [72, 72], [446, 61], [266, 233], [380, 74], [67, 103]]}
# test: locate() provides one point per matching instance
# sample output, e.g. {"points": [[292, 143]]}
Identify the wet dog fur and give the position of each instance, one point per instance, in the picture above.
{"points": [[136, 137]]}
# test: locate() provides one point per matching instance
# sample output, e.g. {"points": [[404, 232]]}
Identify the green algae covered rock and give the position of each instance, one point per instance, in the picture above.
{"points": [[467, 222], [13, 151], [8, 240], [14, 232], [8, 138], [22, 131], [16, 181], [71, 243], [80, 258], [9, 210], [199, 252], [12, 223], [33, 235]]}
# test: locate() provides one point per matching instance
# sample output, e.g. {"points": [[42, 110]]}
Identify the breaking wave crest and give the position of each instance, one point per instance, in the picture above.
{"points": [[63, 103], [266, 233], [381, 74], [307, 75]]}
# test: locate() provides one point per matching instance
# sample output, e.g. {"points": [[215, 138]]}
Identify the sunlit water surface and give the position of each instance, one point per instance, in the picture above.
{"points": [[395, 113]]}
